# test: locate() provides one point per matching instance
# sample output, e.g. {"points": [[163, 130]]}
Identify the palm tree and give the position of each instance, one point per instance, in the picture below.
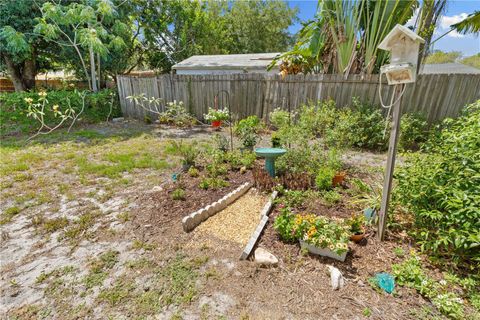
{"points": [[470, 24]]}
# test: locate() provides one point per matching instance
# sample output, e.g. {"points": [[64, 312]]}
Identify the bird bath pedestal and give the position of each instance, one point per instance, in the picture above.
{"points": [[270, 154]]}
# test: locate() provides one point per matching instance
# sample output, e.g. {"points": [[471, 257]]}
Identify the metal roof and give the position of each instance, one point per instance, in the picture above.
{"points": [[227, 61], [449, 68]]}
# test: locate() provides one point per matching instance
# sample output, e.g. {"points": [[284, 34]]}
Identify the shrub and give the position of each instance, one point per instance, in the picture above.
{"points": [[247, 130], [323, 179], [413, 131], [441, 189], [176, 114], [368, 127], [13, 108], [279, 118]]}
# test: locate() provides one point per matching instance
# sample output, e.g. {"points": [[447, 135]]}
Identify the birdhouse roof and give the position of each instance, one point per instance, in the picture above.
{"points": [[397, 32]]}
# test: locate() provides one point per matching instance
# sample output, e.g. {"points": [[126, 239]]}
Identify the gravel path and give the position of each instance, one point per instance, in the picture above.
{"points": [[237, 222]]}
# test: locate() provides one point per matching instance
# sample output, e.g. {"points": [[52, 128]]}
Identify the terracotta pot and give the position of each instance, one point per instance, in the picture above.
{"points": [[216, 123], [357, 237], [338, 178]]}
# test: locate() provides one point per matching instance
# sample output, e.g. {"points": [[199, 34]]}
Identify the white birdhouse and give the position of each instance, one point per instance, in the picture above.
{"points": [[404, 45]]}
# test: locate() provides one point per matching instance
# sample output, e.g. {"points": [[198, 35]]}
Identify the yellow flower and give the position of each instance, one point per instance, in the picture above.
{"points": [[28, 100], [331, 247], [55, 107], [42, 94]]}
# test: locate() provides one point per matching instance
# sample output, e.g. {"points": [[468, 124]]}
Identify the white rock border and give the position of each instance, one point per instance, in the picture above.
{"points": [[261, 225], [194, 219]]}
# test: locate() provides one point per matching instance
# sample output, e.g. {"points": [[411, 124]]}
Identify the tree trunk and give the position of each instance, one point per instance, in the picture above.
{"points": [[92, 70], [29, 73], [15, 74]]}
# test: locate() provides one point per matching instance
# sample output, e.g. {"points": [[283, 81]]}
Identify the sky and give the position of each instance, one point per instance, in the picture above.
{"points": [[457, 10]]}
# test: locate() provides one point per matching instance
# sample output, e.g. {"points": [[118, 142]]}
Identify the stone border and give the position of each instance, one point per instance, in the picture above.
{"points": [[261, 225], [194, 219]]}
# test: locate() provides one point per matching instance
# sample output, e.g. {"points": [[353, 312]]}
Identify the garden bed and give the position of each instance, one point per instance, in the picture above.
{"points": [[164, 207]]}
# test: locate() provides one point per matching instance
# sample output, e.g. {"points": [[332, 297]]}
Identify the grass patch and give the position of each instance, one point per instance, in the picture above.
{"points": [[8, 214], [138, 245], [121, 292], [117, 163], [99, 269], [79, 228]]}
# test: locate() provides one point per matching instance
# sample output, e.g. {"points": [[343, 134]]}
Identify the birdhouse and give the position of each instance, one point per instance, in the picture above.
{"points": [[403, 45]]}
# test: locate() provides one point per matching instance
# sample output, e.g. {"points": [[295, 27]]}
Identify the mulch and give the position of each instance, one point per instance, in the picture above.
{"points": [[160, 208]]}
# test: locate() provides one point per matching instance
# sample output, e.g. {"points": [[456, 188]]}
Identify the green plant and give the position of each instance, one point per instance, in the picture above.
{"points": [[213, 183], [176, 114], [367, 312], [323, 179], [247, 130], [440, 188], [413, 131], [279, 118], [331, 197], [216, 114], [284, 224], [399, 252], [188, 151], [14, 108], [292, 198], [193, 172], [368, 127], [221, 142], [356, 223], [368, 199], [178, 194]]}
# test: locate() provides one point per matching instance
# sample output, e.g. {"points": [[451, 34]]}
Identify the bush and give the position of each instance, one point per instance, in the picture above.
{"points": [[441, 189], [176, 114], [368, 127], [324, 178], [247, 130], [13, 108], [279, 118], [413, 131]]}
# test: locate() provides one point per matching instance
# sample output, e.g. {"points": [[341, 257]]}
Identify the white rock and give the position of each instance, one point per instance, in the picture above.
{"points": [[336, 278], [157, 189], [264, 257], [119, 119]]}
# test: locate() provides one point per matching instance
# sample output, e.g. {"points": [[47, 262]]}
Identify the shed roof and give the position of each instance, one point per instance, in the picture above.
{"points": [[449, 68], [227, 61]]}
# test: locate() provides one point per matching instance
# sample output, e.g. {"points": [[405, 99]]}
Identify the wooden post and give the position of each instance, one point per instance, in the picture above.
{"points": [[392, 152]]}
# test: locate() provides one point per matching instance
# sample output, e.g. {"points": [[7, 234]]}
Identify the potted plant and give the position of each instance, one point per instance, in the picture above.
{"points": [[356, 223], [338, 178], [216, 116]]}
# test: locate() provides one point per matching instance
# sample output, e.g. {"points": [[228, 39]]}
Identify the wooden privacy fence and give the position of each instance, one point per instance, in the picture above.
{"points": [[437, 96]]}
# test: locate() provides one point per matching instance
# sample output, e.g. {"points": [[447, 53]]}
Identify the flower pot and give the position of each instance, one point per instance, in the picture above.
{"points": [[338, 178], [216, 123], [322, 251], [357, 237]]}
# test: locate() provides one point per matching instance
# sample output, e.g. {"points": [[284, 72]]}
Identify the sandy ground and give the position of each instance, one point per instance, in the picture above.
{"points": [[106, 261]]}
